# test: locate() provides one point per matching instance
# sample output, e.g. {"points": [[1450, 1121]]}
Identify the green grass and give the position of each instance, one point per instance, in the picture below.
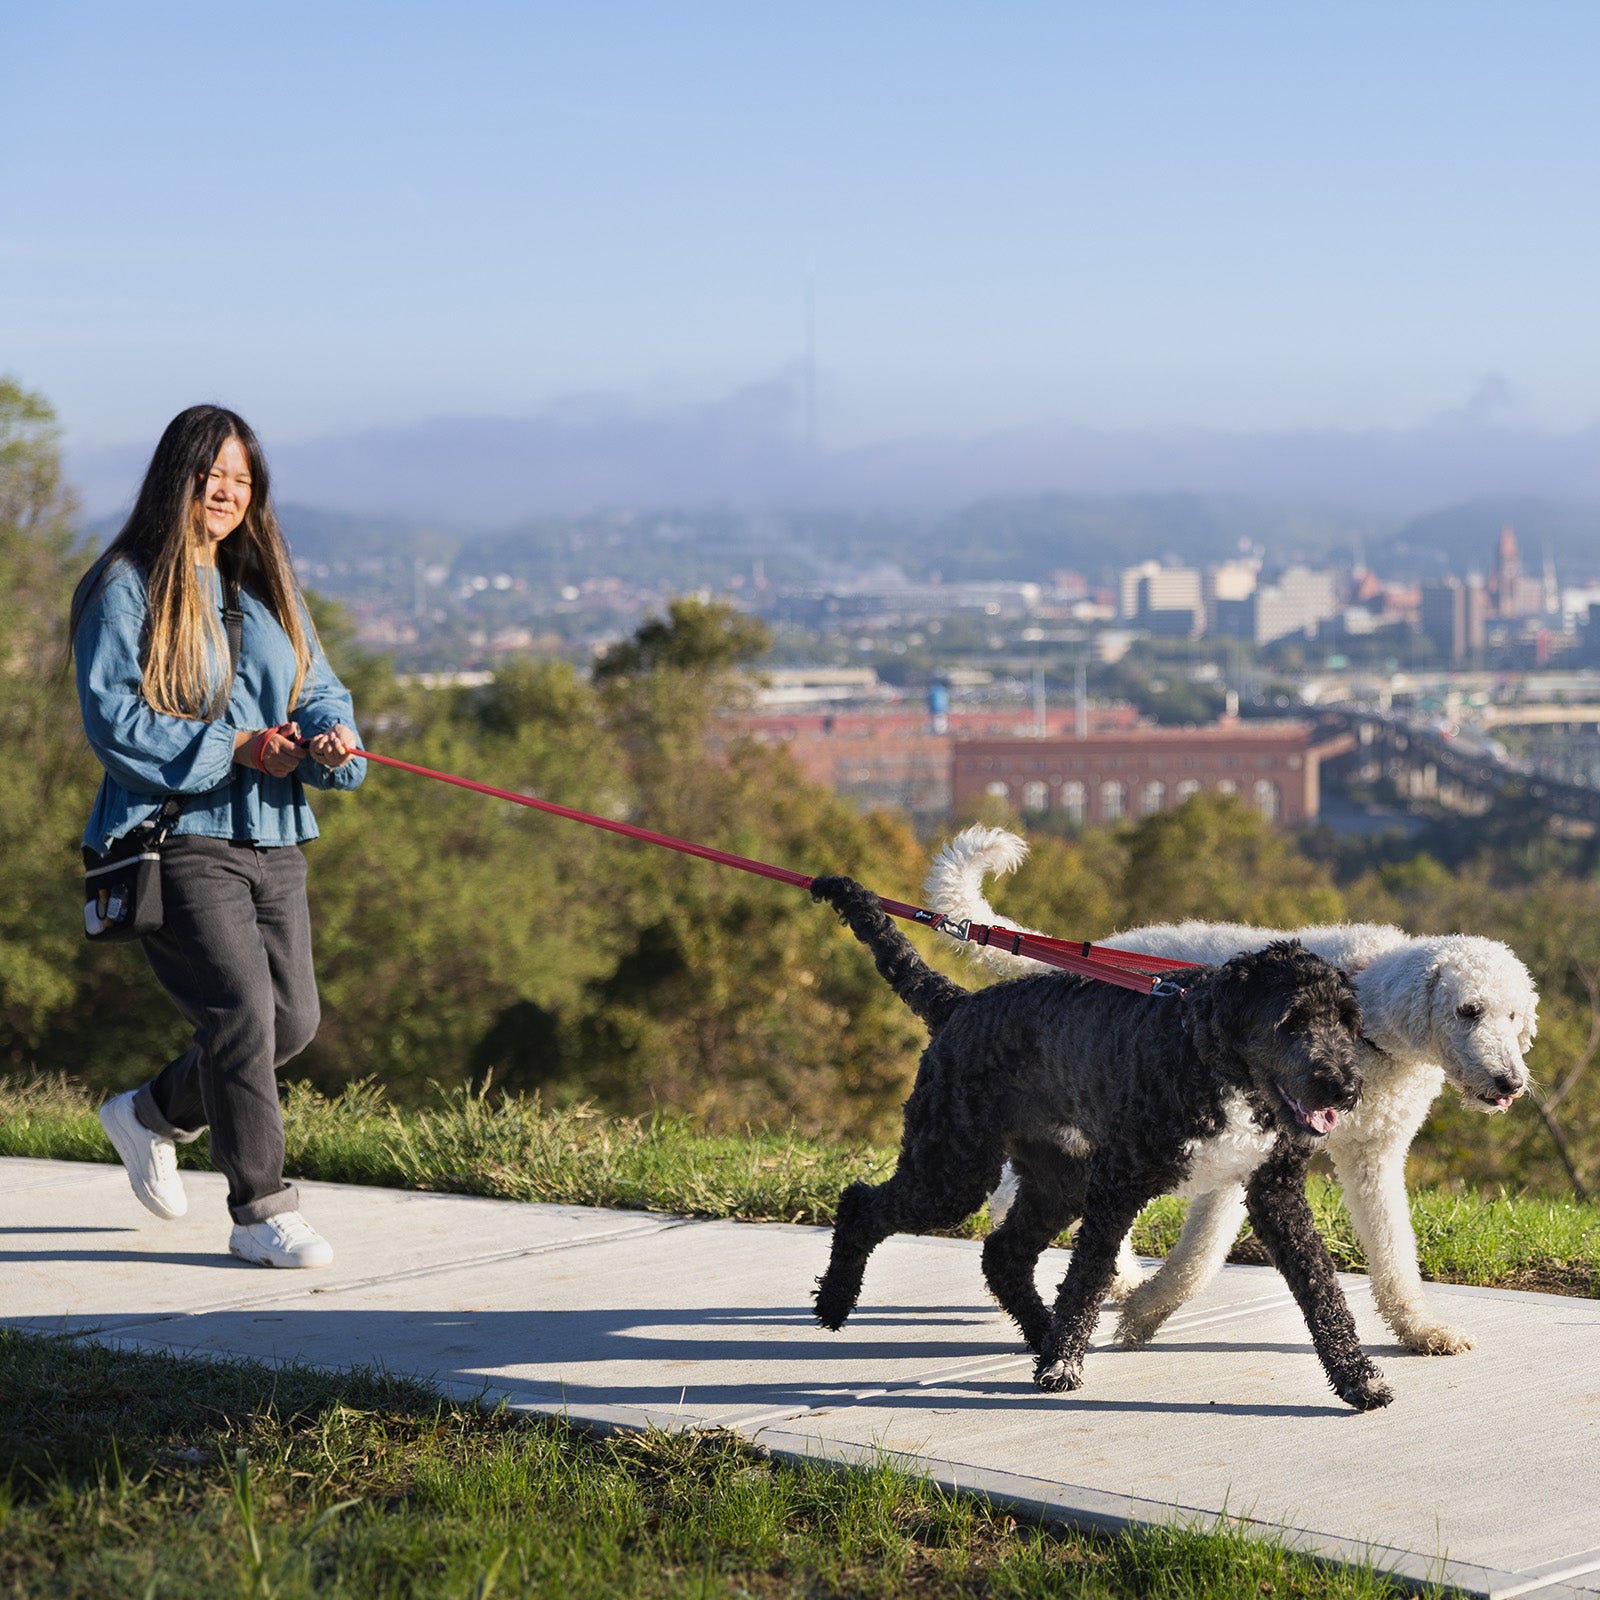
{"points": [[512, 1148], [1497, 1241], [142, 1475]]}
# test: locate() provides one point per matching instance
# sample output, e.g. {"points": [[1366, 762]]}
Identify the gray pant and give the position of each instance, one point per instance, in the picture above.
{"points": [[234, 956]]}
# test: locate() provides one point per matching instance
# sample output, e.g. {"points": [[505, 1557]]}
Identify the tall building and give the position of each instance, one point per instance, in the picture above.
{"points": [[1229, 580], [1128, 581], [1163, 600], [1515, 593], [1477, 614], [1453, 617], [1298, 601], [1590, 634]]}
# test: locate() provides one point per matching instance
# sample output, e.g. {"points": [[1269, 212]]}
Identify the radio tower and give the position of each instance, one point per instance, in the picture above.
{"points": [[808, 396]]}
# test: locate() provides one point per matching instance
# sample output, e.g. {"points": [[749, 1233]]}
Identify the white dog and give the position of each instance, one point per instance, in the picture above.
{"points": [[1454, 1006]]}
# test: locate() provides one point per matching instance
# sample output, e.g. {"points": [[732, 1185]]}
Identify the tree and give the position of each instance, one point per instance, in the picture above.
{"points": [[696, 637], [458, 936], [45, 778], [1215, 858], [452, 928], [739, 999]]}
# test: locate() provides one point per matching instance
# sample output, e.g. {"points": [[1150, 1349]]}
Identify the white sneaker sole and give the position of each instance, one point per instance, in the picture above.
{"points": [[129, 1154]]}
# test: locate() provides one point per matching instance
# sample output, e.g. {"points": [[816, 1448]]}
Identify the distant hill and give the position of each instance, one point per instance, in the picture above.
{"points": [[319, 535], [693, 495], [1035, 535], [1465, 537], [1018, 537], [744, 453], [1026, 537]]}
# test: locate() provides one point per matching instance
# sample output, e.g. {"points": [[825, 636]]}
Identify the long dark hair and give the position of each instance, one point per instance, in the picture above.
{"points": [[184, 647]]}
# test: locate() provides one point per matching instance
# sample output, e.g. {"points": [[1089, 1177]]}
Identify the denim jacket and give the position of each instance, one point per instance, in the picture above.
{"points": [[148, 755]]}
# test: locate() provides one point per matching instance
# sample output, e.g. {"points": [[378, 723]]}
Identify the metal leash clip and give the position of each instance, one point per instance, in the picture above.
{"points": [[940, 923]]}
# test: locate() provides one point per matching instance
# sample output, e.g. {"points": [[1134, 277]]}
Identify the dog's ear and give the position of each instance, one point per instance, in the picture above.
{"points": [[1217, 1015], [1528, 1019], [1400, 996], [1201, 1004]]}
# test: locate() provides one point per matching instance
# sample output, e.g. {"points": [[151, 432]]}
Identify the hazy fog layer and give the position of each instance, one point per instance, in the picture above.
{"points": [[748, 451]]}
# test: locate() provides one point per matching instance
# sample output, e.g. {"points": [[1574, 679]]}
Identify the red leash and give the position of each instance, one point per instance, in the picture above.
{"points": [[1126, 968]]}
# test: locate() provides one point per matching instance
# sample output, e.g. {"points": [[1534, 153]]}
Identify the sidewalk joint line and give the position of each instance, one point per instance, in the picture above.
{"points": [[1536, 1578]]}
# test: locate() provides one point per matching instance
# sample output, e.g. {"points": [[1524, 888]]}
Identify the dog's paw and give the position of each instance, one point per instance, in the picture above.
{"points": [[831, 1307], [1055, 1376], [1134, 1331], [1370, 1393], [1436, 1339], [1143, 1314]]}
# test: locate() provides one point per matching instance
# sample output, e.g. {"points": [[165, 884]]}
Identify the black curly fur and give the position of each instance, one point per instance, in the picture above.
{"points": [[1029, 1068], [930, 994]]}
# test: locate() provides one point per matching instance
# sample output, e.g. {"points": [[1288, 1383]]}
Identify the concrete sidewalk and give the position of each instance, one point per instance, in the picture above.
{"points": [[1485, 1472]]}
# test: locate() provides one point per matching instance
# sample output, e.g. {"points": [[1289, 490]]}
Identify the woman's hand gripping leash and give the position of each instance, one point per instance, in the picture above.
{"points": [[278, 751]]}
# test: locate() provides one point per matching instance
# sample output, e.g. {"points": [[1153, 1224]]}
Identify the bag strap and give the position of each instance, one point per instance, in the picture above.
{"points": [[233, 626]]}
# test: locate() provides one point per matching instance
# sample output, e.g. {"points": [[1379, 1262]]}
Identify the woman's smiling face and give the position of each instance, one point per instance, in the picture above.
{"points": [[225, 495]]}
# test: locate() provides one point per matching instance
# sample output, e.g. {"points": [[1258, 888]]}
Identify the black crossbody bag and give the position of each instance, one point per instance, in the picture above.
{"points": [[122, 888]]}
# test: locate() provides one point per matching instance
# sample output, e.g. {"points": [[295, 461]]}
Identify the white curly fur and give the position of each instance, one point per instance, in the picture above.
{"points": [[1454, 1006]]}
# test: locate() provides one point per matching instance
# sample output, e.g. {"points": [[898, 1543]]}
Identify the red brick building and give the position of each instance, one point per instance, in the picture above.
{"points": [[889, 757], [1274, 767]]}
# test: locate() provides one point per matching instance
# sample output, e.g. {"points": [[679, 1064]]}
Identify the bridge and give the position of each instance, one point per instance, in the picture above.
{"points": [[1424, 764], [1539, 714]]}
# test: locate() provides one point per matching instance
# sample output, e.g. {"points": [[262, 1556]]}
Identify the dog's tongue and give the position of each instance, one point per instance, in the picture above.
{"points": [[1317, 1121]]}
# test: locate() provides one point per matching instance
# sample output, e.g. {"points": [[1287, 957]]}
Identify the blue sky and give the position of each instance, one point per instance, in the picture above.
{"points": [[1239, 216]]}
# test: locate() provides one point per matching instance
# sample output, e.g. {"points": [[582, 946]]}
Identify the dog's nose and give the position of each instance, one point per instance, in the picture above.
{"points": [[1507, 1083], [1340, 1090]]}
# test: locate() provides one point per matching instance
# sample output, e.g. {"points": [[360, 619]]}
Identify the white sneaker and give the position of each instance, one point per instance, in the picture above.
{"points": [[284, 1240], [152, 1161]]}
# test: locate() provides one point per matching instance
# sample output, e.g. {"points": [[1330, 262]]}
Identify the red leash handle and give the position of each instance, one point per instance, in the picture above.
{"points": [[1125, 968], [258, 745]]}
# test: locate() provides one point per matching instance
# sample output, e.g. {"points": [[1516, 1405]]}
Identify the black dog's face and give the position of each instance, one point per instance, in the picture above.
{"points": [[1298, 1029]]}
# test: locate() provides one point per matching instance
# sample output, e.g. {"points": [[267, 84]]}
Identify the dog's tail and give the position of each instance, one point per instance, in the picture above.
{"points": [[955, 887], [931, 995]]}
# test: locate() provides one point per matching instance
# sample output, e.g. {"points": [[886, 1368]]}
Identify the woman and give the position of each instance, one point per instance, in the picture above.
{"points": [[166, 720]]}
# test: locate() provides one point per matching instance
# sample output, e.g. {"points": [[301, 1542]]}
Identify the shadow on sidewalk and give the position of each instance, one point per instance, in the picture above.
{"points": [[54, 1230], [705, 1362]]}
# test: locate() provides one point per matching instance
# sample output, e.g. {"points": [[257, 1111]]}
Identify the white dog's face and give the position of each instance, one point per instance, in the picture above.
{"points": [[1485, 1013]]}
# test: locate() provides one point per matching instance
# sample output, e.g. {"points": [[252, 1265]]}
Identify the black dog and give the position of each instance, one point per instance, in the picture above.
{"points": [[1104, 1098]]}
